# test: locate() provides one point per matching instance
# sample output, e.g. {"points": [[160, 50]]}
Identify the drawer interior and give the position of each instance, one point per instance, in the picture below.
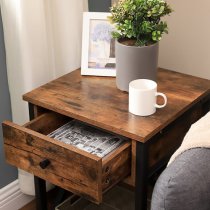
{"points": [[47, 123], [50, 123]]}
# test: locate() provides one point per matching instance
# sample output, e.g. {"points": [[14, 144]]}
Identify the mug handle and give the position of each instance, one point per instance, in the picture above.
{"points": [[165, 100]]}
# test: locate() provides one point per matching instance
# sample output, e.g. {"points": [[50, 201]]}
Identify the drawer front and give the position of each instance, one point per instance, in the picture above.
{"points": [[57, 173], [68, 167]]}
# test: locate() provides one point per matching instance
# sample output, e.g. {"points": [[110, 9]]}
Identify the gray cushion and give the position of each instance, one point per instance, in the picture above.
{"points": [[185, 184]]}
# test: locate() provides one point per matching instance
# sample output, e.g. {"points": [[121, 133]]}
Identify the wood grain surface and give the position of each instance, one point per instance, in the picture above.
{"points": [[97, 101], [70, 168], [116, 166], [131, 180], [56, 173], [169, 139]]}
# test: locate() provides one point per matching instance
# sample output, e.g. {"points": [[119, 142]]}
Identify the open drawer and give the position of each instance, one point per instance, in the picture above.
{"points": [[28, 147]]}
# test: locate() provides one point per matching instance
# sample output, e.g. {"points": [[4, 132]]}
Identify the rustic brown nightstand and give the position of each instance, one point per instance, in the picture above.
{"points": [[97, 102]]}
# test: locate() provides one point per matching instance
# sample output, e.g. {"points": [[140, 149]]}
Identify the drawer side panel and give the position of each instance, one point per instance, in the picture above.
{"points": [[116, 167]]}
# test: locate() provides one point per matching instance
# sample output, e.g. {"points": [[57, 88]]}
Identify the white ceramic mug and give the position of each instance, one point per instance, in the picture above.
{"points": [[142, 97]]}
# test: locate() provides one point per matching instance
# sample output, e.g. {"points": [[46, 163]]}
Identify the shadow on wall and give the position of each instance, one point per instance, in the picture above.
{"points": [[7, 173], [99, 5]]}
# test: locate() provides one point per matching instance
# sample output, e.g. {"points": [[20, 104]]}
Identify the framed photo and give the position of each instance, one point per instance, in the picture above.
{"points": [[114, 2], [98, 46]]}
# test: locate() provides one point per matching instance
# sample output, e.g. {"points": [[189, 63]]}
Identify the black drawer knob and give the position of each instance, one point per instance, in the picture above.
{"points": [[107, 169], [107, 181], [43, 164]]}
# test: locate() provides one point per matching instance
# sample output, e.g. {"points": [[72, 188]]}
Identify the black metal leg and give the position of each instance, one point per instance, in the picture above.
{"points": [[31, 111], [60, 197], [40, 184], [141, 176], [41, 196]]}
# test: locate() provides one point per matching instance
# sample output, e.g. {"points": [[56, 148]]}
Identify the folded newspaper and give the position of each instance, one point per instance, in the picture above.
{"points": [[87, 138]]}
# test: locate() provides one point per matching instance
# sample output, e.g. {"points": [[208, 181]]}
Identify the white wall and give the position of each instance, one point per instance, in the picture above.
{"points": [[187, 46], [65, 24]]}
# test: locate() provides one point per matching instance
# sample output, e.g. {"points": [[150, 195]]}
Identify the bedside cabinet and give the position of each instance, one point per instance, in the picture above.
{"points": [[97, 102]]}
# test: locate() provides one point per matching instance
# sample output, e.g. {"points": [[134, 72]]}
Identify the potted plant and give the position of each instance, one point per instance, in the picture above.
{"points": [[139, 28]]}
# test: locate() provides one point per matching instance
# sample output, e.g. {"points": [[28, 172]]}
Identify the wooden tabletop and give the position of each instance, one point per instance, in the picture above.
{"points": [[97, 101]]}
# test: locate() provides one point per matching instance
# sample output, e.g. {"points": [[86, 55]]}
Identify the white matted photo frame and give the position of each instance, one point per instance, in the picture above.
{"points": [[114, 2], [98, 46]]}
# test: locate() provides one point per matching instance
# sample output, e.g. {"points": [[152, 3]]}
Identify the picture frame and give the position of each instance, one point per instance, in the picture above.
{"points": [[98, 46], [114, 2]]}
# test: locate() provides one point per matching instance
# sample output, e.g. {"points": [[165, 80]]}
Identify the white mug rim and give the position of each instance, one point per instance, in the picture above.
{"points": [[151, 82]]}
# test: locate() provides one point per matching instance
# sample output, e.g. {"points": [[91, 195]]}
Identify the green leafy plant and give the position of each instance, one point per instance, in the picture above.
{"points": [[140, 20]]}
